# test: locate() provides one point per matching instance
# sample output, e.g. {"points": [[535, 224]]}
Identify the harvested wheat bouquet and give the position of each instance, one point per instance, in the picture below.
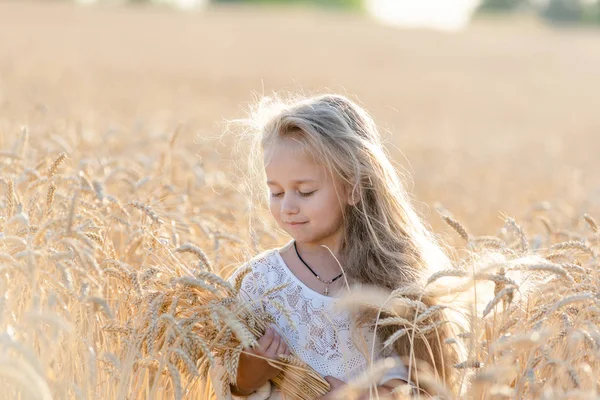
{"points": [[197, 319]]}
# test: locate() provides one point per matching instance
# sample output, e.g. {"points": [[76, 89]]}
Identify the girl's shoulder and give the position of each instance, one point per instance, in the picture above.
{"points": [[261, 273], [267, 257], [259, 264]]}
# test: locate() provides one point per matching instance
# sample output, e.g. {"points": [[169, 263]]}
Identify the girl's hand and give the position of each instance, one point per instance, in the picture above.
{"points": [[334, 384], [383, 391], [253, 371], [270, 345]]}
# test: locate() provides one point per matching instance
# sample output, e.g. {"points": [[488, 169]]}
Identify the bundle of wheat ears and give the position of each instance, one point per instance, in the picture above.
{"points": [[198, 318], [114, 286]]}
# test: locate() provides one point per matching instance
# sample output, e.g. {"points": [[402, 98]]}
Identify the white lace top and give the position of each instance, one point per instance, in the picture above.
{"points": [[314, 330]]}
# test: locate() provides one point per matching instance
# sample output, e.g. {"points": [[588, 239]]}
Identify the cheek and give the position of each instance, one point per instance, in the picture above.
{"points": [[274, 208], [327, 207]]}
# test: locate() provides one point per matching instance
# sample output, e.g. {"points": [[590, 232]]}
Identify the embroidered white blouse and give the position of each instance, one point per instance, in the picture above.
{"points": [[314, 330]]}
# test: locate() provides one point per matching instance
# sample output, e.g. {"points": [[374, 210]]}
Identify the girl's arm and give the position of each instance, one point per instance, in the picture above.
{"points": [[390, 387], [253, 373], [253, 369], [384, 391], [398, 371], [397, 376]]}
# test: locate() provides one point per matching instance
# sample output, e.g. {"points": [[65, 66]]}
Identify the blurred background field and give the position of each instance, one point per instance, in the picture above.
{"points": [[495, 117], [114, 165]]}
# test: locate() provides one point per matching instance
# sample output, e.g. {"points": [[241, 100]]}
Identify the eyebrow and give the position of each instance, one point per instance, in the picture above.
{"points": [[298, 181]]}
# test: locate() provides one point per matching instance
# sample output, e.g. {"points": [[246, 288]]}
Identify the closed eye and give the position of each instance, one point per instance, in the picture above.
{"points": [[302, 194]]}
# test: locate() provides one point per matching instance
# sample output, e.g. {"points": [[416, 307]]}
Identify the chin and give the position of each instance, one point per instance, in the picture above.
{"points": [[310, 239], [303, 236], [299, 237], [296, 236]]}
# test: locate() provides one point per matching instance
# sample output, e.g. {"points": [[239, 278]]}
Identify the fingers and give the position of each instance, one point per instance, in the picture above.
{"points": [[265, 341], [282, 347], [271, 351], [271, 344], [334, 383]]}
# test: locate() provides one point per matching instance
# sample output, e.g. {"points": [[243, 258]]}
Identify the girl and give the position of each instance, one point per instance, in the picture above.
{"points": [[333, 190]]}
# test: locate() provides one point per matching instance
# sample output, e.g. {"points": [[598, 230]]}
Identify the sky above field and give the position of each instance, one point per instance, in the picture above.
{"points": [[437, 14], [447, 15]]}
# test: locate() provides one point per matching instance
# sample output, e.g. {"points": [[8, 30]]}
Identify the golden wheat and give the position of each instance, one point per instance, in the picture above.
{"points": [[115, 259]]}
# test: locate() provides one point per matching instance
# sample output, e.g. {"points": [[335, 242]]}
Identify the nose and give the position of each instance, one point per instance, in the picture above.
{"points": [[288, 205]]}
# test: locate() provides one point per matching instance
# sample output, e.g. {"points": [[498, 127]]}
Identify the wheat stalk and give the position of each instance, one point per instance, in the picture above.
{"points": [[591, 222], [147, 210], [10, 196], [547, 224], [458, 228], [54, 167], [190, 248], [560, 248], [520, 233], [50, 196], [508, 292]]}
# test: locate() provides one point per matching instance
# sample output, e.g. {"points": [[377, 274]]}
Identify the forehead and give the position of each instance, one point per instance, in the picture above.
{"points": [[288, 159]]}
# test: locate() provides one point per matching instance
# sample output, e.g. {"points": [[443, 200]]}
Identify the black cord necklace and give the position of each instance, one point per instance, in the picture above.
{"points": [[327, 283]]}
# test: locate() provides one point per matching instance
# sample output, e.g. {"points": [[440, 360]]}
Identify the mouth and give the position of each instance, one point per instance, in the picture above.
{"points": [[295, 223]]}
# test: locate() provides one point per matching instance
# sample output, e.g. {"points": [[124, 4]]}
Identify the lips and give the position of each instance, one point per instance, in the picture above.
{"points": [[295, 223]]}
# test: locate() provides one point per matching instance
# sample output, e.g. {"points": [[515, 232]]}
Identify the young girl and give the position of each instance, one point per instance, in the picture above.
{"points": [[333, 190]]}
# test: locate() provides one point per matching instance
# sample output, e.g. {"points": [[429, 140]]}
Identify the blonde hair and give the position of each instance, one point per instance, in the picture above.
{"points": [[385, 243]]}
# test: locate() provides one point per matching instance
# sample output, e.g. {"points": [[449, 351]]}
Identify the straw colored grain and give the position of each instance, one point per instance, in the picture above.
{"points": [[520, 233], [190, 248], [54, 167], [592, 223], [457, 226]]}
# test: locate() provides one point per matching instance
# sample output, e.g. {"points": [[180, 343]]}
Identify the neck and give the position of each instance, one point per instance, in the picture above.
{"points": [[319, 257]]}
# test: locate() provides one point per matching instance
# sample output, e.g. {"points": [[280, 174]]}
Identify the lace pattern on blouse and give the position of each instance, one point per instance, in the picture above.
{"points": [[321, 335]]}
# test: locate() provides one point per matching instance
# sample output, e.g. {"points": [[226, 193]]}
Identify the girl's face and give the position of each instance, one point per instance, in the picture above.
{"points": [[305, 200]]}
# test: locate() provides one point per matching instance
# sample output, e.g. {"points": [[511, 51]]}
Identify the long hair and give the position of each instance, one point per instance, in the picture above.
{"points": [[385, 243]]}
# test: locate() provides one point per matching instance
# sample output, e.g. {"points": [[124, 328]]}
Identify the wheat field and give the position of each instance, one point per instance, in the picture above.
{"points": [[121, 214]]}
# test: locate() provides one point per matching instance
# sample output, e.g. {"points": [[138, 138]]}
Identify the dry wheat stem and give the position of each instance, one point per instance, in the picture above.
{"points": [[454, 224], [54, 167], [572, 245], [592, 223], [520, 233]]}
